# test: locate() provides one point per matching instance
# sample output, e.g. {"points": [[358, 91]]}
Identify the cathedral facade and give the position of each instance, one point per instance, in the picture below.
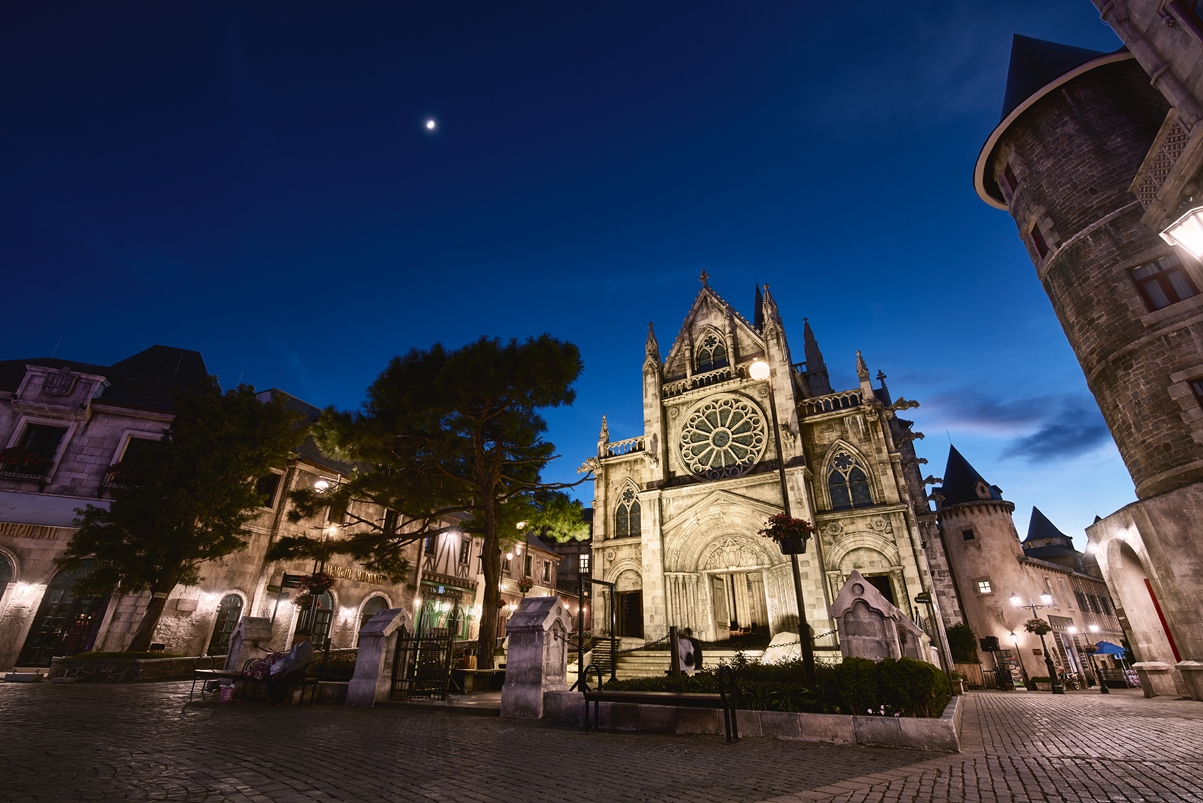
{"points": [[678, 507]]}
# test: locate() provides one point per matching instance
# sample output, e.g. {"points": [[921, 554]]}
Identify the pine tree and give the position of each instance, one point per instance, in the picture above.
{"points": [[450, 440]]}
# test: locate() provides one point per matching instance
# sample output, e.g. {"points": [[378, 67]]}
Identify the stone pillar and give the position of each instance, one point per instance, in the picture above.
{"points": [[538, 656], [372, 680], [244, 641]]}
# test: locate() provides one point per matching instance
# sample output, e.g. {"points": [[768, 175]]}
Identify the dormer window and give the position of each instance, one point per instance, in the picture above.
{"points": [[712, 353], [983, 490]]}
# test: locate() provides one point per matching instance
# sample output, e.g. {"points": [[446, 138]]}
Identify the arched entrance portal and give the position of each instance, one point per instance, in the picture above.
{"points": [[1151, 638], [735, 602], [65, 624]]}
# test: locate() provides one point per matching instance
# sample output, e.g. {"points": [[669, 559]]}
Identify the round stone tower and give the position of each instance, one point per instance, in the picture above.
{"points": [[1076, 128]]}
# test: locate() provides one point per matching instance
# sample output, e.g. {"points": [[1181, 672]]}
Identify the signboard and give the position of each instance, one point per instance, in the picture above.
{"points": [[923, 599], [291, 580]]}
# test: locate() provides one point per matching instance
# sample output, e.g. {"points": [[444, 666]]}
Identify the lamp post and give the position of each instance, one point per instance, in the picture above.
{"points": [[1046, 600], [1187, 231], [1023, 671], [1093, 666], [759, 371]]}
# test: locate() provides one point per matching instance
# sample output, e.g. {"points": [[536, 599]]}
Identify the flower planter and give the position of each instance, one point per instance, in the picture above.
{"points": [[793, 545]]}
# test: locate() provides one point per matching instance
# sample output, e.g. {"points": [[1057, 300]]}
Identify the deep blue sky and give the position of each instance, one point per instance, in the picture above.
{"points": [[254, 181]]}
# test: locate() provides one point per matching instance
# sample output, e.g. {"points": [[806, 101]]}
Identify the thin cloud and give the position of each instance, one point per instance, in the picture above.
{"points": [[1075, 430]]}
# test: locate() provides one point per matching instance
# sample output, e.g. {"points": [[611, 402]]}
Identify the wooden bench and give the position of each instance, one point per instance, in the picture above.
{"points": [[725, 700], [210, 675]]}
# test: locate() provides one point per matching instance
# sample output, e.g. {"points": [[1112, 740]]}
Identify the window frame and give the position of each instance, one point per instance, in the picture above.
{"points": [[713, 363], [632, 505], [465, 551], [982, 586], [1039, 242], [274, 499], [26, 420], [968, 534], [833, 470], [1162, 281]]}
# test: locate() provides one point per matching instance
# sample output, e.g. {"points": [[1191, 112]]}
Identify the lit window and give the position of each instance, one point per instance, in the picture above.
{"points": [[546, 576], [967, 535], [848, 483], [712, 353], [983, 587], [1163, 282], [430, 545], [465, 550], [626, 517], [584, 564]]}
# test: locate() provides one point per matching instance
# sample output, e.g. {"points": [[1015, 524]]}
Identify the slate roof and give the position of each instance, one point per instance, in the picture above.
{"points": [[961, 479], [1035, 63], [149, 380], [308, 450]]}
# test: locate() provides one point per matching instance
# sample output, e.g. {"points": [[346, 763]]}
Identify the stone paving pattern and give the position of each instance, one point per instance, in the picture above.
{"points": [[97, 742]]}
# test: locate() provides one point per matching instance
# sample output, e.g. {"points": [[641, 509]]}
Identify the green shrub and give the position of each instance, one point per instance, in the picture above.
{"points": [[962, 643], [903, 687], [122, 656]]}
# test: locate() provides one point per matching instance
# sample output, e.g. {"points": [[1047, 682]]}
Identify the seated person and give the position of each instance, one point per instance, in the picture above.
{"points": [[291, 668]]}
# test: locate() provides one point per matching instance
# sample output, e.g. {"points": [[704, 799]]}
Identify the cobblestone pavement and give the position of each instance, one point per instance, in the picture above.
{"points": [[94, 742], [1082, 746]]}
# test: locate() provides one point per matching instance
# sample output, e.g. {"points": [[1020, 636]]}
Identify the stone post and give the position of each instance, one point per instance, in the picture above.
{"points": [[373, 679], [1156, 677], [1192, 676], [244, 641], [538, 656]]}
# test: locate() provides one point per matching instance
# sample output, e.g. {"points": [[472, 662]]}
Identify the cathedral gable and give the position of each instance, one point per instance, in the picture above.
{"points": [[711, 316]]}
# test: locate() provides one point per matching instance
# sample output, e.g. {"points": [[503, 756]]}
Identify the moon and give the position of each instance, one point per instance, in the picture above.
{"points": [[430, 125]]}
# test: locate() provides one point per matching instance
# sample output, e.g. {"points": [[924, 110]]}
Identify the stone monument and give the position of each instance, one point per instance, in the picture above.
{"points": [[372, 680], [244, 641], [871, 627], [538, 656]]}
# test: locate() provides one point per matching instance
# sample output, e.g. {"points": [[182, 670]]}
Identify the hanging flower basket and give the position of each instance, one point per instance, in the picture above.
{"points": [[313, 586], [525, 584], [790, 534], [1037, 626]]}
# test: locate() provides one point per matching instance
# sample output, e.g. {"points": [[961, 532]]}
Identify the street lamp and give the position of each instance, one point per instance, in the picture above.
{"points": [[1187, 231], [1046, 600], [1092, 649], [759, 371]]}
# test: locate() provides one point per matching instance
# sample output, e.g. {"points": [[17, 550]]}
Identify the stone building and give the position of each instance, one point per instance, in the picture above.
{"points": [[66, 427], [677, 507], [989, 564], [1095, 156]]}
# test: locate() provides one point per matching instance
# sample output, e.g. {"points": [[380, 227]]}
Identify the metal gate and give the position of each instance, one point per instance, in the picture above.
{"points": [[422, 660]]}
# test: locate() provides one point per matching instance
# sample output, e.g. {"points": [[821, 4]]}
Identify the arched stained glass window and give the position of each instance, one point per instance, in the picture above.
{"points": [[712, 353], [848, 483], [626, 516]]}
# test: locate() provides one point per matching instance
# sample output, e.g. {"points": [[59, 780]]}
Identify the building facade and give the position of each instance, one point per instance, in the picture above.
{"points": [[66, 426], [677, 508], [1094, 158], [990, 565]]}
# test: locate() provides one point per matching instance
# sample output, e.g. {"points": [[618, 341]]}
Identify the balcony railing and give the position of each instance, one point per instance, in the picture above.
{"points": [[845, 400], [619, 448], [715, 377]]}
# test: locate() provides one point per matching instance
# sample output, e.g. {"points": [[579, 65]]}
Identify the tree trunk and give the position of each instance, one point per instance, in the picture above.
{"points": [[150, 620], [491, 604]]}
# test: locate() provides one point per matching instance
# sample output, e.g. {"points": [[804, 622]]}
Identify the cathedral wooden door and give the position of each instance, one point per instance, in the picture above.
{"points": [[718, 603]]}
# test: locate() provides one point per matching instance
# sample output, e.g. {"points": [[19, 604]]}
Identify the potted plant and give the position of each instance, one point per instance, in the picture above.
{"points": [[958, 682], [312, 587], [525, 585], [790, 534]]}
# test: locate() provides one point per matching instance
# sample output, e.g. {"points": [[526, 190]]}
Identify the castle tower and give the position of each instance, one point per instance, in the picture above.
{"points": [[1082, 148]]}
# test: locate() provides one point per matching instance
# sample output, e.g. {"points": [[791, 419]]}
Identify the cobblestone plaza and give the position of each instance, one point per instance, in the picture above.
{"points": [[140, 742]]}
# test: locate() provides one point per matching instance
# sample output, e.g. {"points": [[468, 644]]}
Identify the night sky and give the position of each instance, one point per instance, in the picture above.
{"points": [[256, 181]]}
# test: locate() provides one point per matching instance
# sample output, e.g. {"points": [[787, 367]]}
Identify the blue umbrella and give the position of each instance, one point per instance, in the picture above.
{"points": [[1107, 648]]}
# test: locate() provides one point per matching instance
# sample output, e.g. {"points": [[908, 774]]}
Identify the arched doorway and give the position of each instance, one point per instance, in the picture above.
{"points": [[6, 573], [321, 615], [65, 624], [228, 614], [370, 608], [1151, 637]]}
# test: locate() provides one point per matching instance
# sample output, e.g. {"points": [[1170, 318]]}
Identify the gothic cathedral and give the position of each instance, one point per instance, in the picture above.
{"points": [[677, 508]]}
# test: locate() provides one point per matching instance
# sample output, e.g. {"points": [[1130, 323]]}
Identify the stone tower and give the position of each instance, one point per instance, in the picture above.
{"points": [[677, 508], [1084, 144]]}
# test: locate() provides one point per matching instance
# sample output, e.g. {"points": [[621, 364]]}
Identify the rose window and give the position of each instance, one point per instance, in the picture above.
{"points": [[723, 438]]}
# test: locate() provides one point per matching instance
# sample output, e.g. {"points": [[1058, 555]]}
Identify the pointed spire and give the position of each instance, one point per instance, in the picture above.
{"points": [[604, 435], [862, 370], [1040, 527], [758, 312], [768, 310], [814, 357], [962, 483], [652, 347], [704, 278]]}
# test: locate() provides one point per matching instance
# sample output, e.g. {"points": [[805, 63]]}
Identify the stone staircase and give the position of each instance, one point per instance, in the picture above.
{"points": [[654, 663]]}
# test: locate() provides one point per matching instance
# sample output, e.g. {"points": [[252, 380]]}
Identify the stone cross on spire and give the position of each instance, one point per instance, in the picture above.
{"points": [[704, 278]]}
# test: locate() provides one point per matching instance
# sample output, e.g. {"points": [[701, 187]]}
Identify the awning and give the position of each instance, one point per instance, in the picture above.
{"points": [[1107, 648]]}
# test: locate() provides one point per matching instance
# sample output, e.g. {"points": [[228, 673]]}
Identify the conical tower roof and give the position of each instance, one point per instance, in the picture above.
{"points": [[1036, 63], [962, 482]]}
